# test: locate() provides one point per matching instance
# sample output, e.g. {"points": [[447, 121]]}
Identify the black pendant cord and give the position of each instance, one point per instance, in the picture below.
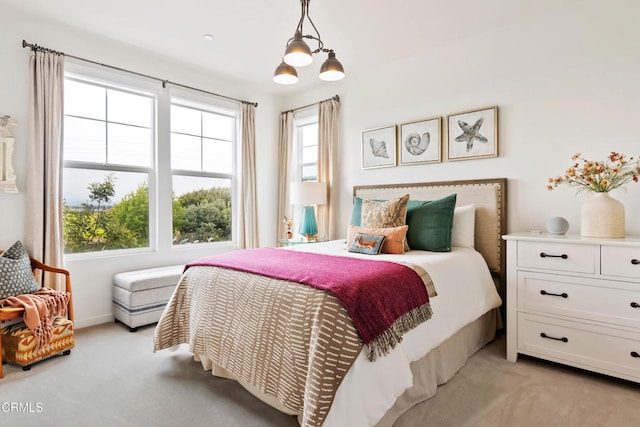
{"points": [[165, 82]]}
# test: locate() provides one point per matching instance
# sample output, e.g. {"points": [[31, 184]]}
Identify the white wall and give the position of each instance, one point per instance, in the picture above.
{"points": [[92, 278], [565, 81]]}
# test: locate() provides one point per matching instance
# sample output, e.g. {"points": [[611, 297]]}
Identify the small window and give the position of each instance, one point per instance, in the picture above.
{"points": [[306, 147]]}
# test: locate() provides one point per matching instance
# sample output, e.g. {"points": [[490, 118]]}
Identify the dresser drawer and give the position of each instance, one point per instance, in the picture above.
{"points": [[557, 256], [621, 261], [582, 298], [610, 351]]}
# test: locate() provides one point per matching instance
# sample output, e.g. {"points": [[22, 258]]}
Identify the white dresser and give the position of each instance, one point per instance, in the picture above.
{"points": [[575, 300]]}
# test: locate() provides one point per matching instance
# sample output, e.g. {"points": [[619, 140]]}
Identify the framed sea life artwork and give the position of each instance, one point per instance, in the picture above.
{"points": [[472, 134], [379, 147], [420, 142]]}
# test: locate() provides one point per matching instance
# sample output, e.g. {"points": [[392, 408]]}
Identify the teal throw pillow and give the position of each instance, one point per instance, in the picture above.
{"points": [[430, 224], [356, 213], [16, 277]]}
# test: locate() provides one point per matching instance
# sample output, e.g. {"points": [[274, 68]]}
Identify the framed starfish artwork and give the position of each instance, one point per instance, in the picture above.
{"points": [[420, 141], [472, 134], [379, 147]]}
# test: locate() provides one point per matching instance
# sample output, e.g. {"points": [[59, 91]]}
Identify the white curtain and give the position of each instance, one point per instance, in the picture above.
{"points": [[248, 227], [327, 148], [285, 147], [43, 235]]}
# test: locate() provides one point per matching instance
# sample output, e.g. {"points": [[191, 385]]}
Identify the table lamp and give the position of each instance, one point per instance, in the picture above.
{"points": [[308, 194]]}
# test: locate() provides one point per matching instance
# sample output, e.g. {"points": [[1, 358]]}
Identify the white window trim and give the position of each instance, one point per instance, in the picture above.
{"points": [[162, 158]]}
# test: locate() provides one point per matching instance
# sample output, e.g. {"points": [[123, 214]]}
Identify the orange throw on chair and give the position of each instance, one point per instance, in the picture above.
{"points": [[40, 308]]}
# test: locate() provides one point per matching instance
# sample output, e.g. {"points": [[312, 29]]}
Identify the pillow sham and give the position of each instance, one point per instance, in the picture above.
{"points": [[464, 226], [431, 224], [394, 237], [356, 212], [16, 277], [369, 244], [391, 213]]}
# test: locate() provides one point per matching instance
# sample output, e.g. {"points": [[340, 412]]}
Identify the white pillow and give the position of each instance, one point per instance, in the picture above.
{"points": [[464, 226]]}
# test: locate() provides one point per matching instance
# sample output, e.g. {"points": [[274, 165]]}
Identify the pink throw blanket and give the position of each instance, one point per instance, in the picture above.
{"points": [[384, 299], [39, 308]]}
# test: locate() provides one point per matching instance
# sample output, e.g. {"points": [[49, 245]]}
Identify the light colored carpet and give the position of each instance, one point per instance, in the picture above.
{"points": [[112, 378]]}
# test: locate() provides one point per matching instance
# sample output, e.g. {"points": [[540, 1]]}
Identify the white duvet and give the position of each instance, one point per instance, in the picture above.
{"points": [[465, 290]]}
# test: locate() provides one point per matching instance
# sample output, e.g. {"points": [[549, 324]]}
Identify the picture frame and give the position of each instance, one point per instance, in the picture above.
{"points": [[472, 134], [420, 141], [369, 244], [379, 147]]}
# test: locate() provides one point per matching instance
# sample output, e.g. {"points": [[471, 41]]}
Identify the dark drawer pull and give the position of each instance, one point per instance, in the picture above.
{"points": [[563, 339], [635, 305], [563, 295], [635, 354], [563, 256], [635, 261]]}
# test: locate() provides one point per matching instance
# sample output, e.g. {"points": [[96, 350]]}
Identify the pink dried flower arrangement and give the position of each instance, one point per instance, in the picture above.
{"points": [[599, 177]]}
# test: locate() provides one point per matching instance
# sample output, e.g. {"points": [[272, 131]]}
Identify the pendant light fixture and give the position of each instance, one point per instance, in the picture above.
{"points": [[299, 54]]}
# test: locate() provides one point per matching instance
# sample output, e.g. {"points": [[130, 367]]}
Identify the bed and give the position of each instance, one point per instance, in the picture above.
{"points": [[308, 362]]}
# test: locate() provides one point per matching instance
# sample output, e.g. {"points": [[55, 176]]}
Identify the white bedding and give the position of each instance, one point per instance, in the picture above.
{"points": [[465, 290]]}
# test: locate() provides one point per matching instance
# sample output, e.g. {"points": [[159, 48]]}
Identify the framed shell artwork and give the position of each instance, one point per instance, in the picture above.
{"points": [[420, 141], [379, 147]]}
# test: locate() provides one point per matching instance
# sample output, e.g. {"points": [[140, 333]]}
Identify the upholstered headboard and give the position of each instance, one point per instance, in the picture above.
{"points": [[488, 195]]}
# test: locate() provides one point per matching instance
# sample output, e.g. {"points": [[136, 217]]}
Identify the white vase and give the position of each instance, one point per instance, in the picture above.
{"points": [[602, 216]]}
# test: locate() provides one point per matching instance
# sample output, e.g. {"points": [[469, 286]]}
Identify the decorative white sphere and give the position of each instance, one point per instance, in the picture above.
{"points": [[557, 225]]}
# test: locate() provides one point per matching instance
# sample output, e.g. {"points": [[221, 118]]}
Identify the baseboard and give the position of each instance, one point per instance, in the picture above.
{"points": [[92, 321]]}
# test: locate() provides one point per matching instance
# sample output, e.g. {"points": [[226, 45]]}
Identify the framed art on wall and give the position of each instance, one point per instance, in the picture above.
{"points": [[379, 147], [420, 141], [472, 134]]}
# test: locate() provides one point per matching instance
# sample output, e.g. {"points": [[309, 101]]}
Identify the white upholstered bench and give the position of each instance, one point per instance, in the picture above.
{"points": [[139, 297]]}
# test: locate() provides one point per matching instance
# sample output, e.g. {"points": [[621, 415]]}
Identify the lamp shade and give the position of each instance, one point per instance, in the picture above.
{"points": [[308, 193], [285, 74], [298, 52], [331, 69]]}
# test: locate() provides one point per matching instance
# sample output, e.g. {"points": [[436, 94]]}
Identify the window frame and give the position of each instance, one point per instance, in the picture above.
{"points": [[160, 172], [183, 99], [302, 119], [151, 170]]}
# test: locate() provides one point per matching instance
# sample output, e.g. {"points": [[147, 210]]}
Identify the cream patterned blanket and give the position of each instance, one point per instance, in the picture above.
{"points": [[293, 342]]}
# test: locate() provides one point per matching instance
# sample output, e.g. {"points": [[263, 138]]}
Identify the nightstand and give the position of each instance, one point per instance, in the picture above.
{"points": [[285, 242], [576, 301]]}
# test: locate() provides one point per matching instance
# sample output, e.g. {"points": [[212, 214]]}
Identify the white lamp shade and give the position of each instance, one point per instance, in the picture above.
{"points": [[308, 193]]}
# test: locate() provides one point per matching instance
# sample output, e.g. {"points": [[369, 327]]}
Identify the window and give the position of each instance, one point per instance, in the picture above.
{"points": [[203, 166], [305, 152], [306, 146], [109, 135], [115, 154]]}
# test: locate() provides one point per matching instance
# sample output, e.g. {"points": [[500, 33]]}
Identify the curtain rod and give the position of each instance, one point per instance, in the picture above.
{"points": [[37, 48], [335, 98]]}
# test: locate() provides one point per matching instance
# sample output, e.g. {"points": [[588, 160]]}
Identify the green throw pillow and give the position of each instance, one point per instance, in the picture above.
{"points": [[16, 277], [430, 224]]}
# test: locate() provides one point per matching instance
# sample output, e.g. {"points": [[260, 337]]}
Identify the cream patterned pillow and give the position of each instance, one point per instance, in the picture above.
{"points": [[391, 213], [16, 277]]}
